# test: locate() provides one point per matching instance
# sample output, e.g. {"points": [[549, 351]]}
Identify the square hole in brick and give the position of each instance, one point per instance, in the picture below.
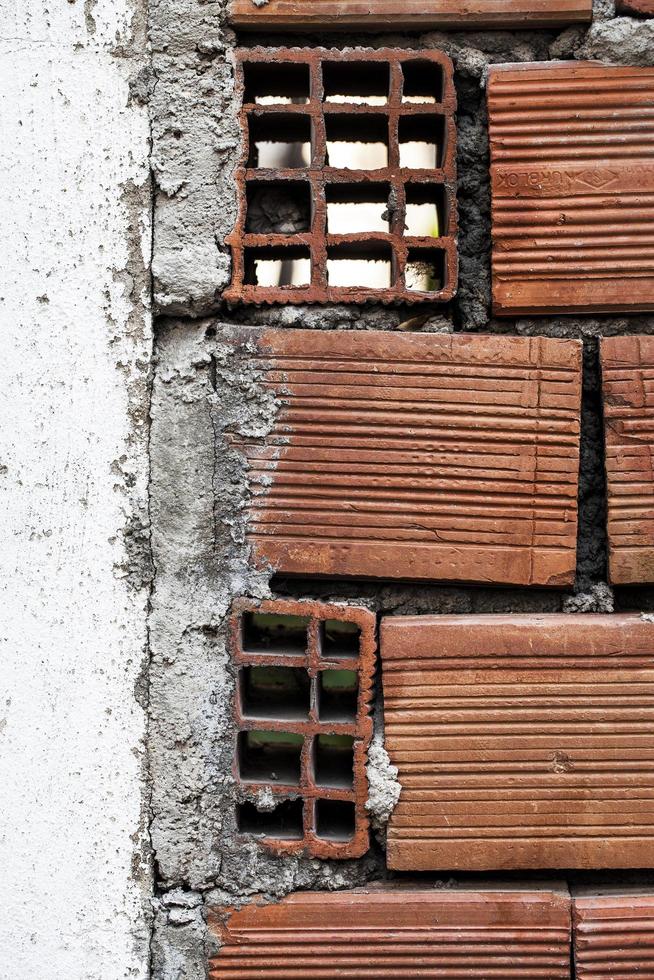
{"points": [[275, 692], [422, 82], [338, 693], [275, 634], [425, 270], [278, 83], [280, 140], [356, 82], [425, 211], [285, 822], [277, 266], [355, 208], [335, 820], [368, 265], [333, 761], [270, 757], [339, 640], [421, 141], [357, 142], [278, 207]]}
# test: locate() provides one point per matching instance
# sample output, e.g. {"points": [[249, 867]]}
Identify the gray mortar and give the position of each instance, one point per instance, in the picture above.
{"points": [[199, 485]]}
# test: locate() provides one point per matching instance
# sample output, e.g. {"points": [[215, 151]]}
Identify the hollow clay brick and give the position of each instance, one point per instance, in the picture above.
{"points": [[314, 659], [613, 934], [412, 15], [508, 931], [436, 121], [521, 741], [628, 390], [415, 456], [572, 175]]}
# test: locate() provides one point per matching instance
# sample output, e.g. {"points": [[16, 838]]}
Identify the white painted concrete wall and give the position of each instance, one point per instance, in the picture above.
{"points": [[75, 350]]}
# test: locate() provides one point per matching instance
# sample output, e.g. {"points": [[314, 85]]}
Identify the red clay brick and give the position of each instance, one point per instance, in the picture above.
{"points": [[572, 174], [312, 77], [613, 934], [321, 649], [627, 375], [521, 741], [400, 932], [635, 8], [416, 456], [377, 15]]}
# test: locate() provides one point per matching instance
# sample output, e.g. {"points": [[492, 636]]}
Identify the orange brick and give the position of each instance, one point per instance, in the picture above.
{"points": [[504, 931], [613, 934], [572, 174], [628, 389], [521, 741], [416, 456]]}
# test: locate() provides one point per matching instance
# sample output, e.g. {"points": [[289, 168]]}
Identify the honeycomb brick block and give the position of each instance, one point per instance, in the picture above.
{"points": [[572, 176], [415, 456], [613, 934], [305, 676], [521, 741], [319, 215], [412, 15], [628, 390], [404, 931]]}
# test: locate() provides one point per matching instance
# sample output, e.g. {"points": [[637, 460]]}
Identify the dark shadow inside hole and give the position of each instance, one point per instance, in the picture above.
{"points": [[284, 822], [275, 692], [356, 208], [357, 142], [425, 270], [338, 692], [270, 757], [333, 761], [421, 140], [278, 139], [368, 265], [425, 211], [286, 265], [358, 82], [278, 207], [279, 82], [339, 639], [335, 820], [423, 82], [274, 633]]}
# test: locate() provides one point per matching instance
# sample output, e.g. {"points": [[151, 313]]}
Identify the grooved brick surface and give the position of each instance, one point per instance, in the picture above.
{"points": [[572, 175], [376, 15], [326, 104], [628, 390], [323, 651], [504, 931], [613, 935], [522, 741], [416, 456]]}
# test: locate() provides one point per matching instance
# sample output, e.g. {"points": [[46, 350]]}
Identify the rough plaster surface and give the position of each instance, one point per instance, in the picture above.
{"points": [[75, 242]]}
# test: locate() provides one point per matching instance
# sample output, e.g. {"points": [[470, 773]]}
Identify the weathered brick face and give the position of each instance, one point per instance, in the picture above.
{"points": [[508, 931], [613, 934], [572, 172], [305, 675], [416, 456], [303, 114], [522, 741], [628, 397]]}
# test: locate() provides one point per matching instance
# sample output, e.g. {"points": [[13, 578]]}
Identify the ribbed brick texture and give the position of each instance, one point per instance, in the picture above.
{"points": [[521, 741], [375, 15], [628, 390], [614, 935], [416, 456], [369, 934], [572, 169], [330, 100], [331, 727]]}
